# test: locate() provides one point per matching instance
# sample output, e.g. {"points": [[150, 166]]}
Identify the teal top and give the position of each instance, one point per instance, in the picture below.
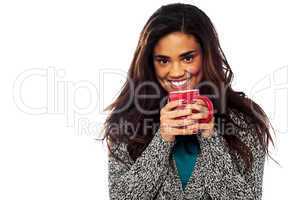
{"points": [[185, 156]]}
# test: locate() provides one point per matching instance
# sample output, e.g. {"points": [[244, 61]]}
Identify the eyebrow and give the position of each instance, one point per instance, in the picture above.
{"points": [[182, 55]]}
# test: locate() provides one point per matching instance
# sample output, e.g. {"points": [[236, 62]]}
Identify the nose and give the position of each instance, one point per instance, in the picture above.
{"points": [[176, 70]]}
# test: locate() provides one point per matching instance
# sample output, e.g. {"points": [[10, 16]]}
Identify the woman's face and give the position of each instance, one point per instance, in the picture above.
{"points": [[178, 61]]}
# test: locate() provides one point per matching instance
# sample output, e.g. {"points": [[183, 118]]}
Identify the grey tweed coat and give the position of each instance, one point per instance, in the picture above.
{"points": [[218, 174]]}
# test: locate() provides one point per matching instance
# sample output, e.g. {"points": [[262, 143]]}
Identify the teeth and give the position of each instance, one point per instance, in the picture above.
{"points": [[178, 83]]}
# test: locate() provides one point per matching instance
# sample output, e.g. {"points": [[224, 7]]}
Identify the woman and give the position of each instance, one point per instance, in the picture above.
{"points": [[156, 155]]}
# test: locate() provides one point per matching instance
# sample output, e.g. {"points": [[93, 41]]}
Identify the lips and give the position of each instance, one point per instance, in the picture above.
{"points": [[179, 84]]}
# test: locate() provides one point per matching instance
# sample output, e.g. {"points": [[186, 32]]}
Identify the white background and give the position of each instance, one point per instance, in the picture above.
{"points": [[47, 145]]}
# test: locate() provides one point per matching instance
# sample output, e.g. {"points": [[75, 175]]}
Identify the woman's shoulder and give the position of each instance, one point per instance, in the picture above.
{"points": [[118, 150], [240, 118], [246, 128]]}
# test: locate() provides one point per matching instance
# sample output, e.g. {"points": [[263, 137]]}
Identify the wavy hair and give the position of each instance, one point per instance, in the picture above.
{"points": [[130, 108]]}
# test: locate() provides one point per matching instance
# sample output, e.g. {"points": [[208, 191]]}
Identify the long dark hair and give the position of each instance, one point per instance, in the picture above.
{"points": [[191, 20]]}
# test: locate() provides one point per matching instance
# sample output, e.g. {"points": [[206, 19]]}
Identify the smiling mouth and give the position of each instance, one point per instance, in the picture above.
{"points": [[179, 84]]}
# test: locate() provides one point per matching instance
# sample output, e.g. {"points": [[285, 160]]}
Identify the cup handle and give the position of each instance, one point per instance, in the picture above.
{"points": [[210, 109]]}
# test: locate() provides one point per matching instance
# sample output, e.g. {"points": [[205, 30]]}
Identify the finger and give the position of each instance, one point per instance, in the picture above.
{"points": [[198, 116], [178, 122], [200, 126], [171, 105], [178, 113], [200, 102], [179, 131], [198, 107], [194, 129]]}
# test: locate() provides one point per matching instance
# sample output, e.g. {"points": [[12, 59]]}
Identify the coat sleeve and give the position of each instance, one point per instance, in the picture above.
{"points": [[223, 179], [140, 179]]}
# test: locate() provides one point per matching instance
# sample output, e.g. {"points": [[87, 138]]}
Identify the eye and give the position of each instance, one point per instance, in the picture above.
{"points": [[163, 61], [188, 58]]}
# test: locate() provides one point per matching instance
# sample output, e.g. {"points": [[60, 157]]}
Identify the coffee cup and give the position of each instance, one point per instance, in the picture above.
{"points": [[190, 97]]}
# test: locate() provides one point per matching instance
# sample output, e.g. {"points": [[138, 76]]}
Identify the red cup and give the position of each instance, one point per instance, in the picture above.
{"points": [[189, 97]]}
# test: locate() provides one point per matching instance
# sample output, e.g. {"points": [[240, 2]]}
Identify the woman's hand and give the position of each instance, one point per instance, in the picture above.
{"points": [[170, 127], [207, 128]]}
